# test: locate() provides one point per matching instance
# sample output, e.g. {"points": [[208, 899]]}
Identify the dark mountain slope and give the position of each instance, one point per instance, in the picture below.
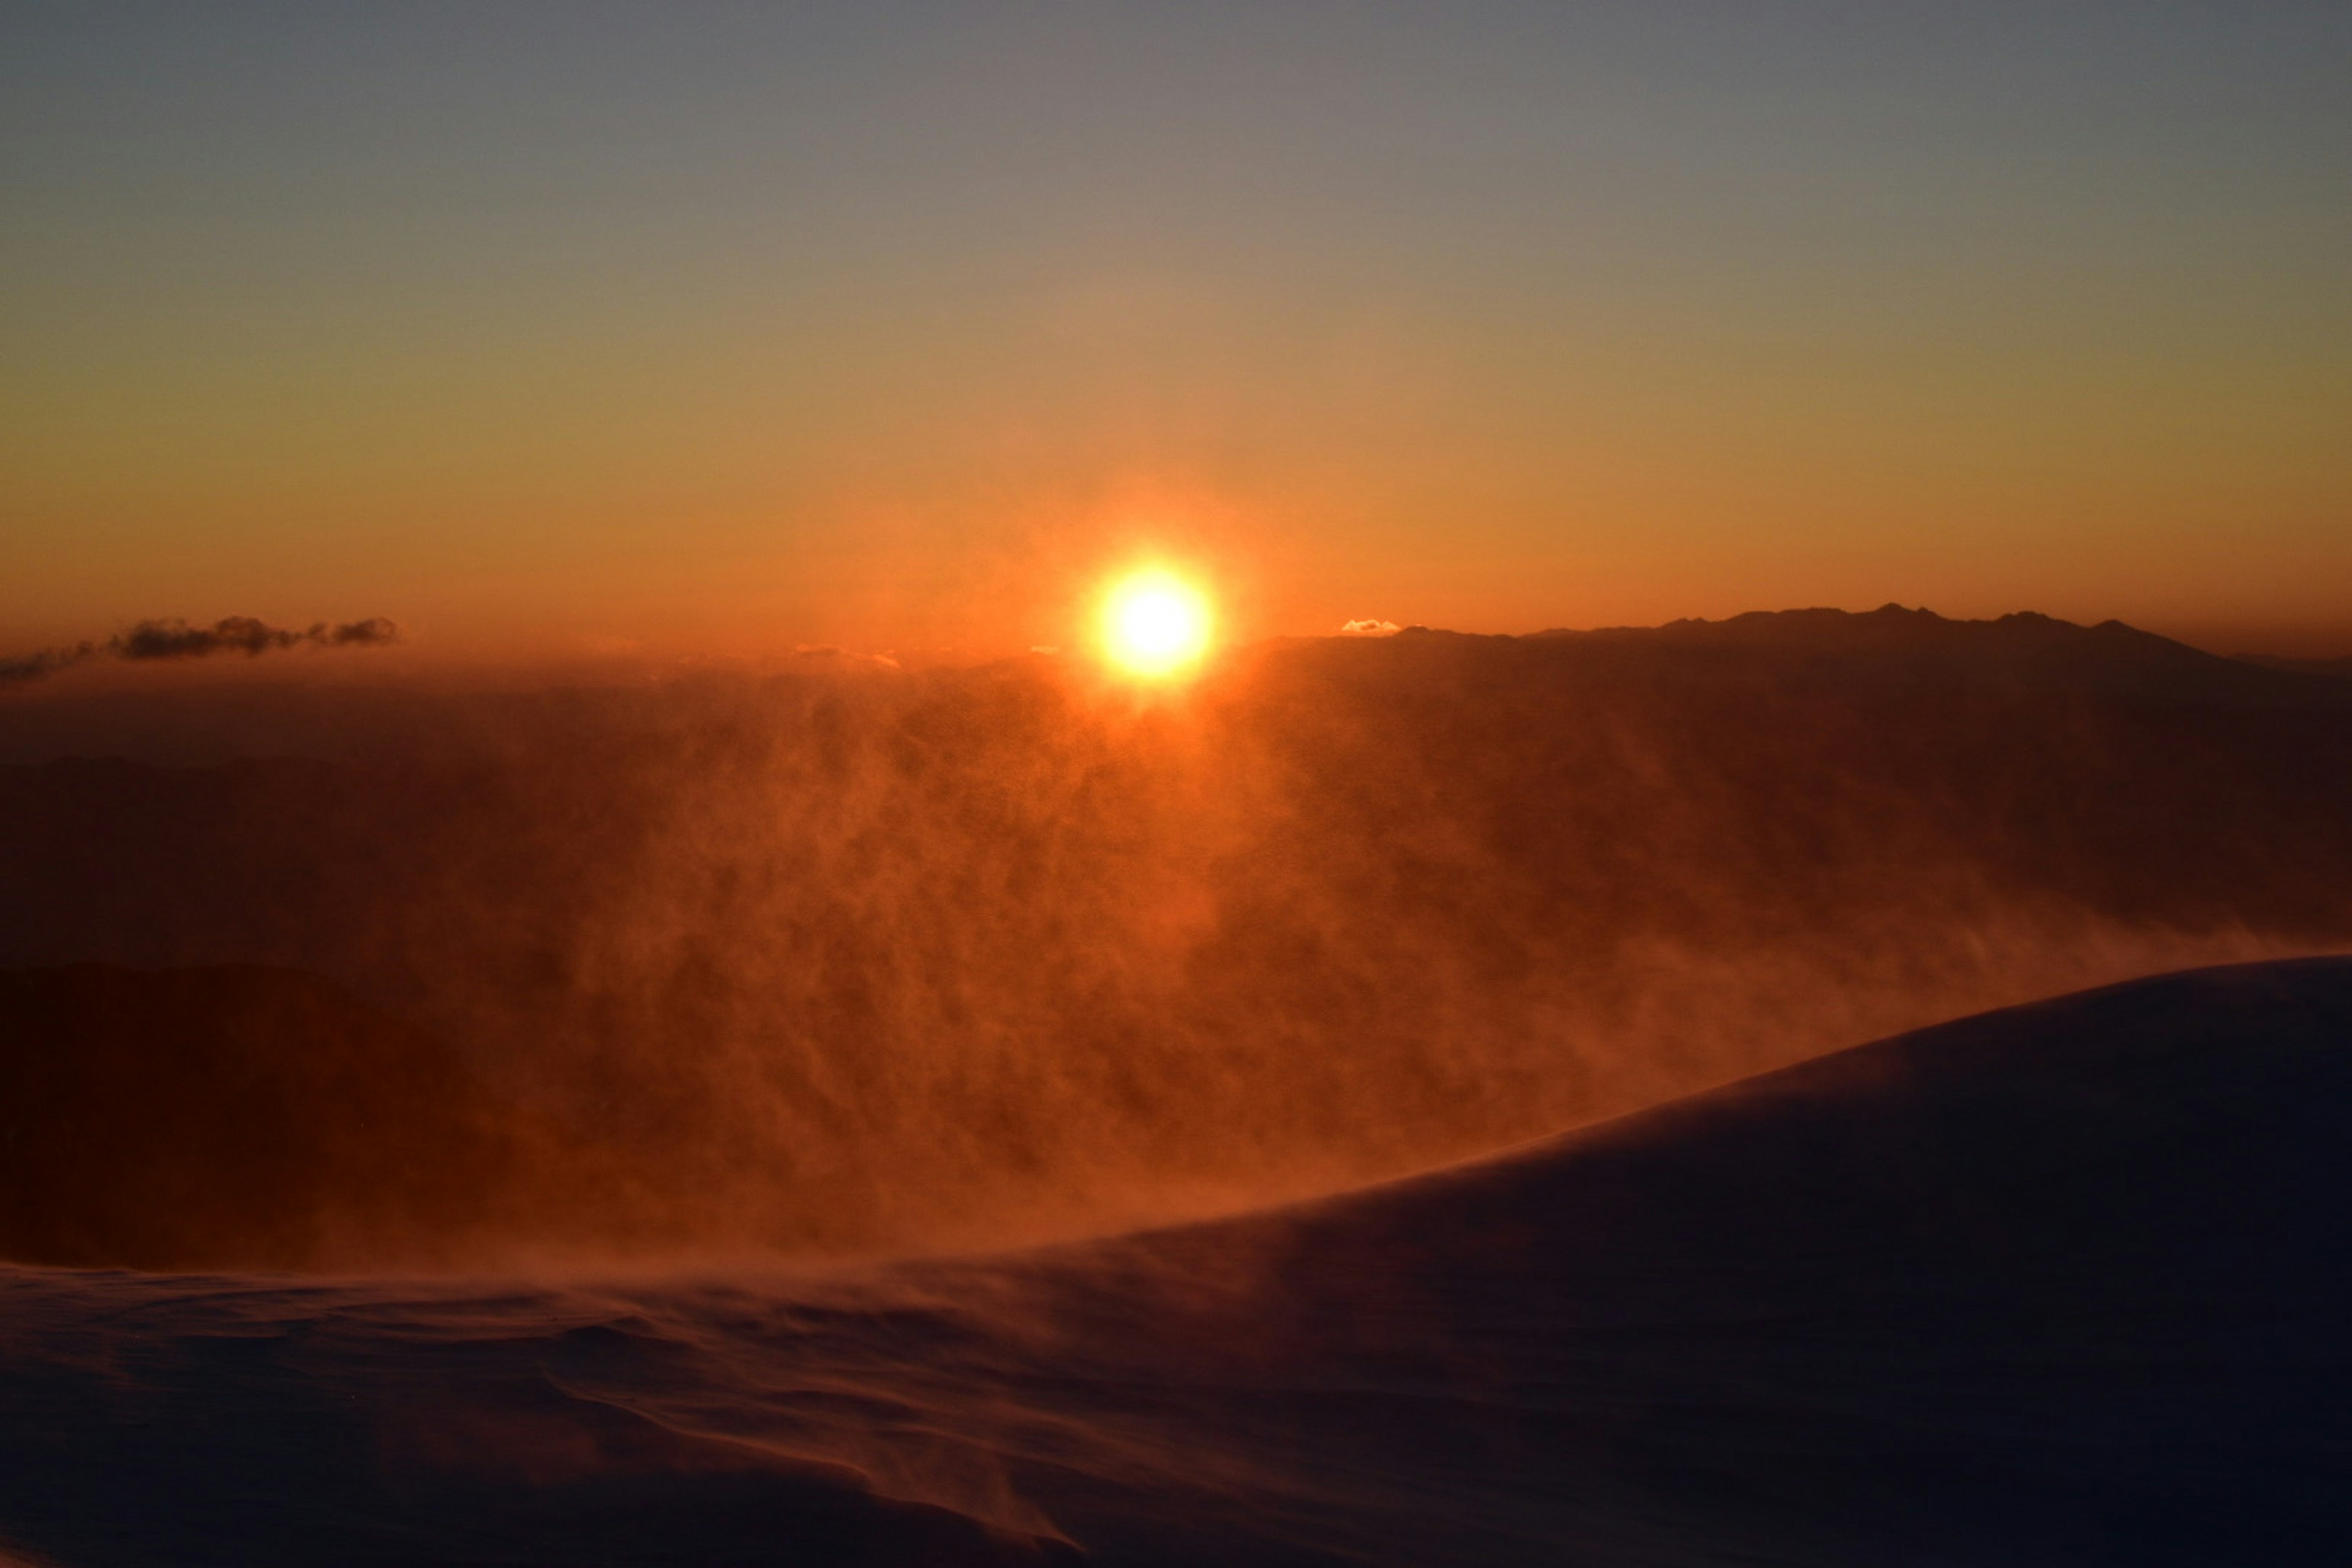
{"points": [[234, 1117]]}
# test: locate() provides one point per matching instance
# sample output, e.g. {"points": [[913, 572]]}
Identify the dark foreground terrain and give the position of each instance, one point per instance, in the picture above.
{"points": [[2063, 1284]]}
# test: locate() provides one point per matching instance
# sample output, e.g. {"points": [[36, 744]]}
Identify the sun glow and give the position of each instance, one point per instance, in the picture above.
{"points": [[1155, 624]]}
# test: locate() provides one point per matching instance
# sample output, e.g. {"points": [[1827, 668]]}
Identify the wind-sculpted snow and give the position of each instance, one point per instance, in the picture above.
{"points": [[2060, 1285]]}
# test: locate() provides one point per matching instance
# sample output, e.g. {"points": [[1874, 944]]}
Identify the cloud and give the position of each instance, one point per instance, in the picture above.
{"points": [[373, 632], [178, 640], [1369, 629], [243, 633], [48, 661]]}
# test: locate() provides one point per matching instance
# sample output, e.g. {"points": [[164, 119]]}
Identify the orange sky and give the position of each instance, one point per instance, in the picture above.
{"points": [[698, 332]]}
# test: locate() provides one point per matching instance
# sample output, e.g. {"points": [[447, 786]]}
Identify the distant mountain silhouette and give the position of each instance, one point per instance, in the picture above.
{"points": [[1899, 646]]}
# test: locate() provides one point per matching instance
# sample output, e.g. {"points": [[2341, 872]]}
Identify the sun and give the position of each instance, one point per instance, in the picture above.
{"points": [[1155, 624]]}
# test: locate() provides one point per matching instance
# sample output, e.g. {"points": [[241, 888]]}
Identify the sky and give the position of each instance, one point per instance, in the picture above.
{"points": [[716, 330]]}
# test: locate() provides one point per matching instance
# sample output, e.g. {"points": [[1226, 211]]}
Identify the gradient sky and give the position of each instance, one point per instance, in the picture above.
{"points": [[720, 328]]}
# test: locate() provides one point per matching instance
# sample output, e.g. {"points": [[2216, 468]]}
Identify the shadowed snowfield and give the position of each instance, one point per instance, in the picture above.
{"points": [[2060, 1284], [989, 1115]]}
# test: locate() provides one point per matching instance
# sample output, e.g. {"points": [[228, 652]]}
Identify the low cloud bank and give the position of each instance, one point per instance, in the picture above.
{"points": [[178, 640]]}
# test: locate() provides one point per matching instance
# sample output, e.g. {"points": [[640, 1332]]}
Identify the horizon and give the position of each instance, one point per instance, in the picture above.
{"points": [[92, 666]]}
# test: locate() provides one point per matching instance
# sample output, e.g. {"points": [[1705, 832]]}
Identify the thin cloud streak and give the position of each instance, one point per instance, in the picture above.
{"points": [[174, 638]]}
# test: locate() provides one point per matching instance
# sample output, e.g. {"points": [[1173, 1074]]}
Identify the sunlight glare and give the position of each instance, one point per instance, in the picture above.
{"points": [[1155, 624]]}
